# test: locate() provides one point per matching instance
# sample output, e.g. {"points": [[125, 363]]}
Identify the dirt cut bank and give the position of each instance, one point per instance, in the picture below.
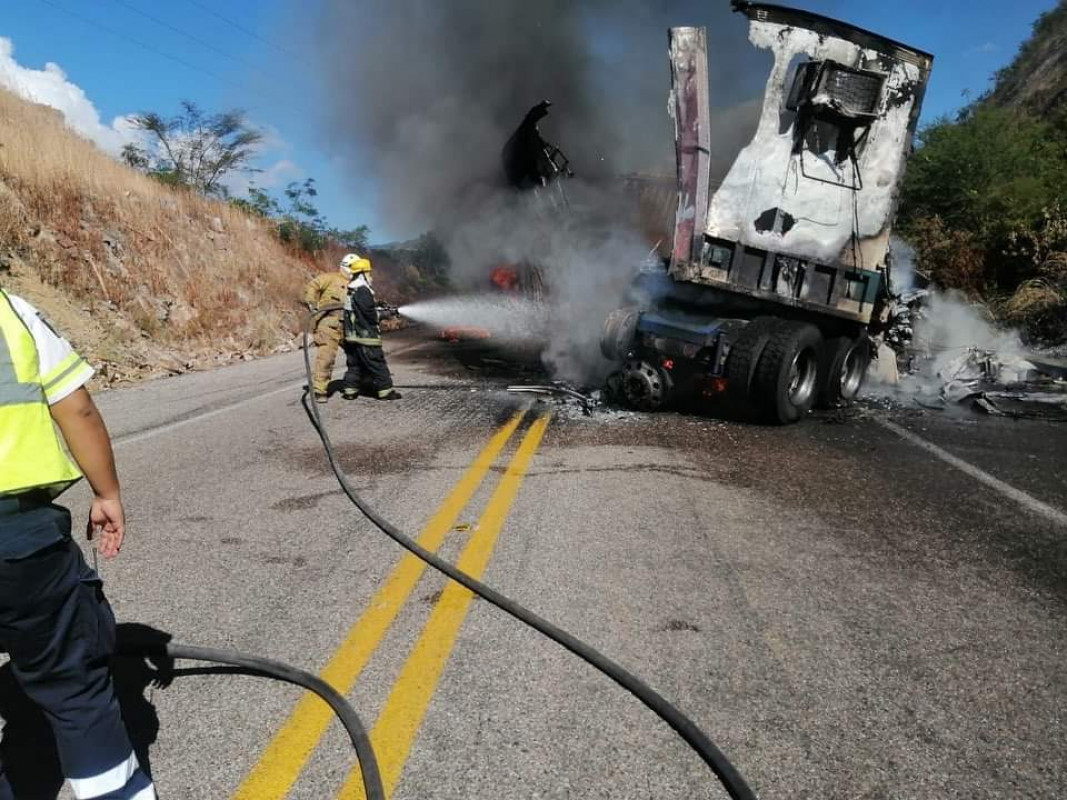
{"points": [[143, 278]]}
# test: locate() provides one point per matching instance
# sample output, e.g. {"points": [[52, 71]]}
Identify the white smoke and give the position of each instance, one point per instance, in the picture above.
{"points": [[945, 327], [902, 259], [951, 325], [586, 251]]}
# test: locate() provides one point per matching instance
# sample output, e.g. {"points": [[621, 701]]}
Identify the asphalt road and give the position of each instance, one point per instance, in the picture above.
{"points": [[846, 612]]}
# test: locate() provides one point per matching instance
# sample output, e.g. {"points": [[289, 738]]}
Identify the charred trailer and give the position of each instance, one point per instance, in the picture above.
{"points": [[776, 274]]}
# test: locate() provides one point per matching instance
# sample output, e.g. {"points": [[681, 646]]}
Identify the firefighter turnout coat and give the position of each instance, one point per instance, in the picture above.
{"points": [[361, 314], [327, 289]]}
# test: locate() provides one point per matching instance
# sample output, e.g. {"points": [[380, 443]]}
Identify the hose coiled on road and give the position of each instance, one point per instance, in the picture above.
{"points": [[357, 732], [698, 741]]}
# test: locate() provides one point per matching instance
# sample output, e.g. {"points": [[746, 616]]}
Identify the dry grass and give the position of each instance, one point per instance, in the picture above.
{"points": [[1055, 266], [187, 273], [1039, 307], [1033, 297]]}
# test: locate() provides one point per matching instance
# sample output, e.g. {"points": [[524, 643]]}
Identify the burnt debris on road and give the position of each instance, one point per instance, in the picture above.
{"points": [[937, 350]]}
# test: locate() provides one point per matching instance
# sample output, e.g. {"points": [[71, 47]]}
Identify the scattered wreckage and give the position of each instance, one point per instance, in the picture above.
{"points": [[998, 377], [775, 277], [587, 401], [1005, 385]]}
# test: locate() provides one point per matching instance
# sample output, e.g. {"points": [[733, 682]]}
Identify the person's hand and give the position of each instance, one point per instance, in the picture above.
{"points": [[107, 525]]}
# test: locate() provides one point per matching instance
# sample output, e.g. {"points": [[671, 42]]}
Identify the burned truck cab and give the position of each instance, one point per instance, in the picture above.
{"points": [[778, 272]]}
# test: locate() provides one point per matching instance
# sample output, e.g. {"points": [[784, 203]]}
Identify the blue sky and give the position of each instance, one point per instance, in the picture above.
{"points": [[126, 61]]}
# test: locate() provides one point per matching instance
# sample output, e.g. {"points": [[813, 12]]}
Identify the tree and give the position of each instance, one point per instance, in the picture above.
{"points": [[430, 257], [357, 239], [194, 149], [975, 188], [300, 223], [259, 203], [989, 171]]}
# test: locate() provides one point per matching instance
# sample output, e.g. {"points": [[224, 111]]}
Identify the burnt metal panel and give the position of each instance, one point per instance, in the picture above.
{"points": [[821, 280], [828, 26], [804, 214], [751, 267], [691, 98], [835, 290]]}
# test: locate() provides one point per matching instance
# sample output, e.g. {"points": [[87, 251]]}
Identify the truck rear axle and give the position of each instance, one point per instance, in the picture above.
{"points": [[768, 369]]}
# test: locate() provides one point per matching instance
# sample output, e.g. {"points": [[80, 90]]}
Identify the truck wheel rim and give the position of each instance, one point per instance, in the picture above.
{"points": [[803, 372], [644, 386], [851, 373]]}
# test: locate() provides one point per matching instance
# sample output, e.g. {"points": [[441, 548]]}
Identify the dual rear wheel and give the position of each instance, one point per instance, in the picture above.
{"points": [[778, 370]]}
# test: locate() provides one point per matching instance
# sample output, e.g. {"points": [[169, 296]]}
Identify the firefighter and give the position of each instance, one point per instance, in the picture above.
{"points": [[326, 290], [363, 338], [55, 622]]}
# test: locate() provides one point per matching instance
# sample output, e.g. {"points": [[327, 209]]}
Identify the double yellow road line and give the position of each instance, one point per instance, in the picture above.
{"points": [[394, 732]]}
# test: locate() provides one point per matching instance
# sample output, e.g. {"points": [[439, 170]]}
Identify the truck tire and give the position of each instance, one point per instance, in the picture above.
{"points": [[741, 364], [617, 336], [842, 369], [787, 376]]}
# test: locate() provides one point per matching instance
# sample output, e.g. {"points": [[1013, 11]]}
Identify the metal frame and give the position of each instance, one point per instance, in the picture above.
{"points": [[691, 96]]}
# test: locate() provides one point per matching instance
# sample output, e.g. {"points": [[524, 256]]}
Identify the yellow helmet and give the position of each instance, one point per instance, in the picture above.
{"points": [[354, 264]]}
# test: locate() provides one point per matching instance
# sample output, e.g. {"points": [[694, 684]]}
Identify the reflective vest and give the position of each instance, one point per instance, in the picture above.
{"points": [[31, 455]]}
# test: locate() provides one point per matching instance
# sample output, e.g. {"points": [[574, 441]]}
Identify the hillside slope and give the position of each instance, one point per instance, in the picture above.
{"points": [[1037, 78], [143, 279]]}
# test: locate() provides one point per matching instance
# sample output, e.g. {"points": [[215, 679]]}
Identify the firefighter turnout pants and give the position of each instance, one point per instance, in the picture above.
{"points": [[59, 630], [328, 336], [367, 368]]}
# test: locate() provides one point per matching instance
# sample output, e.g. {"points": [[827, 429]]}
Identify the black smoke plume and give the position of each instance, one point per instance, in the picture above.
{"points": [[423, 94]]}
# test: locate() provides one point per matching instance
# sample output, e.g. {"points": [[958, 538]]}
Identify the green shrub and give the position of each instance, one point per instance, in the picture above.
{"points": [[983, 199]]}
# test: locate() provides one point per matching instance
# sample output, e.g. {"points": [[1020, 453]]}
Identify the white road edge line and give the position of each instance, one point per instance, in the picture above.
{"points": [[132, 438], [1019, 496]]}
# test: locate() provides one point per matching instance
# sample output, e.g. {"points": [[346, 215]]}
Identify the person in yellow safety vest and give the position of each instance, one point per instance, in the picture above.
{"points": [[328, 289], [363, 338], [55, 622]]}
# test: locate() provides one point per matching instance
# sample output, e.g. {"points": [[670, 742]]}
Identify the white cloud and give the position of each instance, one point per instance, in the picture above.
{"points": [[50, 87], [277, 174], [272, 139], [281, 172], [982, 49]]}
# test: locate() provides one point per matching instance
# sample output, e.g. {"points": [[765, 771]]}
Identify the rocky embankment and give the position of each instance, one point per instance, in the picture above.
{"points": [[145, 280]]}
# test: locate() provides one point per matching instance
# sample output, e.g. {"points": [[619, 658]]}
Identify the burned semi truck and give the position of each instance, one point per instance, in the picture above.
{"points": [[776, 276]]}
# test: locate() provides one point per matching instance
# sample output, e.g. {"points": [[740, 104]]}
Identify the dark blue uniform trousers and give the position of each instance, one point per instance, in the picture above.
{"points": [[59, 630]]}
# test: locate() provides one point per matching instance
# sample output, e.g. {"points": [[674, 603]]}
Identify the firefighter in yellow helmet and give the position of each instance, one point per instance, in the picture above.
{"points": [[363, 338], [55, 623], [328, 289]]}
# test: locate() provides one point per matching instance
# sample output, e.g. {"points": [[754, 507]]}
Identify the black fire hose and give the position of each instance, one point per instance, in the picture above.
{"points": [[357, 732], [727, 774]]}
